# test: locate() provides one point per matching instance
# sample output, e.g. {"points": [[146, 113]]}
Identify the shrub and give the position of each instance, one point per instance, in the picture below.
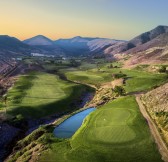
{"points": [[119, 75], [19, 117], [119, 90], [162, 69]]}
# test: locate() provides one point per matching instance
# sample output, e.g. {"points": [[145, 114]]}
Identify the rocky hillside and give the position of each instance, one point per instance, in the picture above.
{"points": [[75, 46], [157, 99], [85, 45], [154, 51], [139, 40], [147, 48], [148, 36], [156, 103]]}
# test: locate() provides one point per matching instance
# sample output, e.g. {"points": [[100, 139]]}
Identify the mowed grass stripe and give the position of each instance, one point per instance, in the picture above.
{"points": [[45, 89], [115, 134], [112, 117]]}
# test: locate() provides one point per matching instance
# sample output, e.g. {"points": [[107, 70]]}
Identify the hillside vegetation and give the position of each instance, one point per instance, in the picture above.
{"points": [[156, 104]]}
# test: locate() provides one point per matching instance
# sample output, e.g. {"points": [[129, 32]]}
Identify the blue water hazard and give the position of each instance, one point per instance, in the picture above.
{"points": [[68, 128]]}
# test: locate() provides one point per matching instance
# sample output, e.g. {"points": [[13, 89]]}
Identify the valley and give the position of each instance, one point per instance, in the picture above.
{"points": [[45, 84], [43, 97]]}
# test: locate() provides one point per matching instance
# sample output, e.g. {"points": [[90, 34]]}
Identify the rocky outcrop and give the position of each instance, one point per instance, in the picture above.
{"points": [[157, 99]]}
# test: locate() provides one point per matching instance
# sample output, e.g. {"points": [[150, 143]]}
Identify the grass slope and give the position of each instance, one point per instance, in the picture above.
{"points": [[140, 80], [137, 80], [42, 94], [89, 77], [115, 132]]}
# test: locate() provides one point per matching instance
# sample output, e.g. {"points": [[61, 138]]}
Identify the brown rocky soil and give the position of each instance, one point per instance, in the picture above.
{"points": [[154, 130], [112, 84], [154, 107]]}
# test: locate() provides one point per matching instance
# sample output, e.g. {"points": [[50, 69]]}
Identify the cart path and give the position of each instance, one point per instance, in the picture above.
{"points": [[153, 128]]}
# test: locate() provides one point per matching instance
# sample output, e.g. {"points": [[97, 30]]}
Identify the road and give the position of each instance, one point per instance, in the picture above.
{"points": [[153, 128]]}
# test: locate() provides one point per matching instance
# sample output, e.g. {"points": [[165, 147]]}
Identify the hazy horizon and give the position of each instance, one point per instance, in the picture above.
{"points": [[115, 19]]}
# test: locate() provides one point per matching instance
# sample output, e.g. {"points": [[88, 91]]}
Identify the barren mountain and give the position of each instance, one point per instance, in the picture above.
{"points": [[85, 45], [148, 36], [154, 51], [10, 46], [100, 43], [44, 45], [138, 41], [147, 48], [38, 41]]}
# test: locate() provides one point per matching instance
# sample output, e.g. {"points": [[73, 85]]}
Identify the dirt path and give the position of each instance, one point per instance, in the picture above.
{"points": [[153, 128], [112, 84]]}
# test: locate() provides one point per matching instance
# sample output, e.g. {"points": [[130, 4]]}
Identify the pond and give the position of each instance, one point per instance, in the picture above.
{"points": [[68, 128]]}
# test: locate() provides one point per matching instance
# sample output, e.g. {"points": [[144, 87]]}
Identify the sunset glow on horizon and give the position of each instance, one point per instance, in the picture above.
{"points": [[117, 19]]}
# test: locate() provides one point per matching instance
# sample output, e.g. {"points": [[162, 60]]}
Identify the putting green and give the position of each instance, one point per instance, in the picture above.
{"points": [[115, 134], [112, 124]]}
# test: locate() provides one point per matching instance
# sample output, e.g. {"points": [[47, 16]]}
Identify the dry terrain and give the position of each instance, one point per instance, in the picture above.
{"points": [[156, 104]]}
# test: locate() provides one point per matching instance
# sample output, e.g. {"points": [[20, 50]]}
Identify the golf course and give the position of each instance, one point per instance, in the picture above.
{"points": [[84, 81], [38, 94], [114, 132], [135, 80]]}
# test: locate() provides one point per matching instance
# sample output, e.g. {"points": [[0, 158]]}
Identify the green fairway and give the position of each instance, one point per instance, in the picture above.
{"points": [[89, 77], [97, 74], [140, 80], [45, 89], [42, 94], [116, 132], [113, 121], [137, 80], [86, 66]]}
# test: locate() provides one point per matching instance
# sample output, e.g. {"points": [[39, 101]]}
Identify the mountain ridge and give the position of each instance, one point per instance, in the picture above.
{"points": [[38, 40], [11, 46], [88, 44], [77, 46], [138, 40]]}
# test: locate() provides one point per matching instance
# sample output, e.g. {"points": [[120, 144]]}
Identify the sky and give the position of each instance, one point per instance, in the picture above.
{"points": [[116, 19]]}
